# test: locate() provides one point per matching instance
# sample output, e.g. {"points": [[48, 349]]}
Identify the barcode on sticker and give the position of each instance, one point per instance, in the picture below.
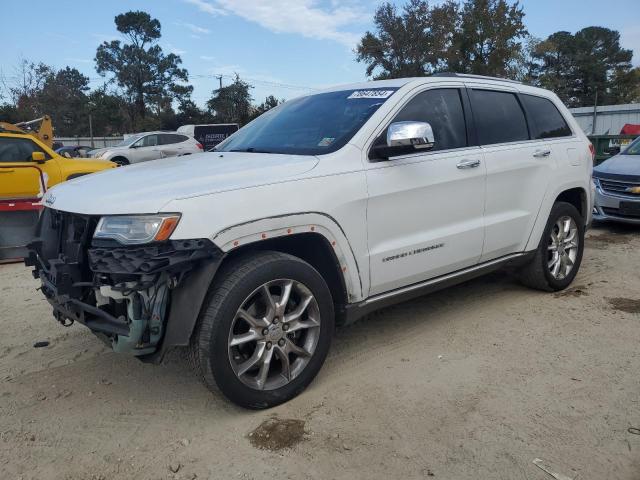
{"points": [[371, 94]]}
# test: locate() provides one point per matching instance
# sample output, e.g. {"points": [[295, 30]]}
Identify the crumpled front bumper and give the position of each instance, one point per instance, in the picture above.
{"points": [[141, 300]]}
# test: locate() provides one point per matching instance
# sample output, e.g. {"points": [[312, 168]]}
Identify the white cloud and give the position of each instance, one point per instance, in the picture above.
{"points": [[303, 17], [207, 58], [206, 7], [175, 50], [78, 60], [194, 28]]}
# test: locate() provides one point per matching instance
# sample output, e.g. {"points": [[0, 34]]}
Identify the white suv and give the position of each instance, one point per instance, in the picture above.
{"points": [[316, 213], [143, 147]]}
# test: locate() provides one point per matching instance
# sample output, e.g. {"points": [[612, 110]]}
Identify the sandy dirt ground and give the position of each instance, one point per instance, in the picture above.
{"points": [[471, 383]]}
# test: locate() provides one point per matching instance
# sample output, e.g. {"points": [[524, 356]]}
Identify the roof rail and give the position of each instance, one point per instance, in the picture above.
{"points": [[467, 75]]}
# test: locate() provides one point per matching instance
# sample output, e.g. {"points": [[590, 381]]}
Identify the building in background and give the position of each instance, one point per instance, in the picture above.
{"points": [[608, 119]]}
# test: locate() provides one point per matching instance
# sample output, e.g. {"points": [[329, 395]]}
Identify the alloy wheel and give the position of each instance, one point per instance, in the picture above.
{"points": [[563, 247], [274, 334]]}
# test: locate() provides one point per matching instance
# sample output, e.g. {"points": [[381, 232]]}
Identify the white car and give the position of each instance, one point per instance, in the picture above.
{"points": [[142, 147], [319, 211]]}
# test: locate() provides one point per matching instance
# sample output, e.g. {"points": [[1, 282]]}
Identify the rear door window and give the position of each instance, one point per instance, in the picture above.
{"points": [[546, 120], [150, 141], [499, 118], [171, 138]]}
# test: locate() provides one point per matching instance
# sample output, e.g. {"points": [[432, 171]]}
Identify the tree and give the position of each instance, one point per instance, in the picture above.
{"points": [[577, 66], [140, 68], [231, 104], [482, 37], [416, 42], [40, 90], [64, 97], [488, 39], [190, 114], [108, 113], [269, 103], [30, 78]]}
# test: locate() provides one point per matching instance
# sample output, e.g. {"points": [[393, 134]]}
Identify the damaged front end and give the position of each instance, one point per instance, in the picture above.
{"points": [[140, 299]]}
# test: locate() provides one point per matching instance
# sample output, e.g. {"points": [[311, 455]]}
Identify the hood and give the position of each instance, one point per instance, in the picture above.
{"points": [[147, 187], [620, 165], [99, 151]]}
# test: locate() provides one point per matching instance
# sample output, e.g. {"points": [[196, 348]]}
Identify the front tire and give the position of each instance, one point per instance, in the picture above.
{"points": [[264, 330], [559, 254]]}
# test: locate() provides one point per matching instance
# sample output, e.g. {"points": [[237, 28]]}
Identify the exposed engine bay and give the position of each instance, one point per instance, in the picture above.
{"points": [[122, 293]]}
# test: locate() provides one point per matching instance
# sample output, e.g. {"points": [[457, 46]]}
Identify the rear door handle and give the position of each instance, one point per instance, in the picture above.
{"points": [[468, 164], [542, 153]]}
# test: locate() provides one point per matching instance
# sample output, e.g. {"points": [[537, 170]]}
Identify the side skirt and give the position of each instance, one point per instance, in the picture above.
{"points": [[358, 310]]}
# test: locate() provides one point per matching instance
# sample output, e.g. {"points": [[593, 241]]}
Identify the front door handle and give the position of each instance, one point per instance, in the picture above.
{"points": [[2, 170], [468, 164], [542, 153]]}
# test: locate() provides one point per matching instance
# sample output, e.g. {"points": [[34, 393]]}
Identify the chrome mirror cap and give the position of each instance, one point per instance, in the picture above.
{"points": [[410, 134]]}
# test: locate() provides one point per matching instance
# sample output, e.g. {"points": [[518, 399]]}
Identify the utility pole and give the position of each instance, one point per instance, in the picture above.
{"points": [[91, 130], [219, 77], [595, 114]]}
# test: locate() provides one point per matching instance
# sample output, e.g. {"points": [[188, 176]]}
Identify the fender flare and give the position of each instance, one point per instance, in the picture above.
{"points": [[547, 205], [257, 230]]}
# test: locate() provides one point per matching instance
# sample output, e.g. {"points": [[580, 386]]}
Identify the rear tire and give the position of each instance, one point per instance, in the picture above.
{"points": [[559, 253], [264, 330]]}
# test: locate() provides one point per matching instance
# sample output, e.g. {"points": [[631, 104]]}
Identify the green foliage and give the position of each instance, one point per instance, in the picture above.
{"points": [[415, 42], [481, 37], [231, 104], [577, 66], [108, 113], [147, 77], [269, 103]]}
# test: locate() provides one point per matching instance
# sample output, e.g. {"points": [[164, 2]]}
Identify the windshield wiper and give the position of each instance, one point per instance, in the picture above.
{"points": [[250, 150]]}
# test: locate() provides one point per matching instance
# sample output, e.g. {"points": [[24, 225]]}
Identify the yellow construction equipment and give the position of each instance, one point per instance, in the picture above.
{"points": [[40, 128], [28, 167]]}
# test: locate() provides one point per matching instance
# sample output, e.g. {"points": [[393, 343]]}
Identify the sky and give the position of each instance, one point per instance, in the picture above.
{"points": [[282, 47]]}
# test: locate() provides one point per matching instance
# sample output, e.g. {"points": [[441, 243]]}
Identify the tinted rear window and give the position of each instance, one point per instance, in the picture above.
{"points": [[499, 117], [169, 138], [546, 120]]}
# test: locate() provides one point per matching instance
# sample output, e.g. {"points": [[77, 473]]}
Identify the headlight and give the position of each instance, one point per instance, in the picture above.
{"points": [[137, 229]]}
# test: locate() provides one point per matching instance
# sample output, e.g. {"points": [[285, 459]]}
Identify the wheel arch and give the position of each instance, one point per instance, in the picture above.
{"points": [[574, 193], [120, 158], [314, 237], [576, 196]]}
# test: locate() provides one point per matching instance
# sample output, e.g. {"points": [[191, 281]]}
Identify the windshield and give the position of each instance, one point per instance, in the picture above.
{"points": [[129, 140], [312, 125], [634, 148]]}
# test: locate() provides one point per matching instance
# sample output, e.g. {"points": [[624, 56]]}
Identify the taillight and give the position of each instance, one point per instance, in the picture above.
{"points": [[592, 149], [199, 145]]}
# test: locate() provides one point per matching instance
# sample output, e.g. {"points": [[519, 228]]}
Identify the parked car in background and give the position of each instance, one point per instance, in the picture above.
{"points": [[146, 146], [210, 135], [318, 212], [617, 183], [75, 151]]}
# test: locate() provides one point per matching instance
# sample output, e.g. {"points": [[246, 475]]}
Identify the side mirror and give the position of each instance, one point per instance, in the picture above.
{"points": [[613, 151], [38, 157], [404, 138], [418, 135]]}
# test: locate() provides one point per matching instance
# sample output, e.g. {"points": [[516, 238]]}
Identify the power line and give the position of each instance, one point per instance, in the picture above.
{"points": [[212, 75]]}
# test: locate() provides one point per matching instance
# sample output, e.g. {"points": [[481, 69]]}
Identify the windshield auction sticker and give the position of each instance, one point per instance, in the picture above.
{"points": [[371, 94]]}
